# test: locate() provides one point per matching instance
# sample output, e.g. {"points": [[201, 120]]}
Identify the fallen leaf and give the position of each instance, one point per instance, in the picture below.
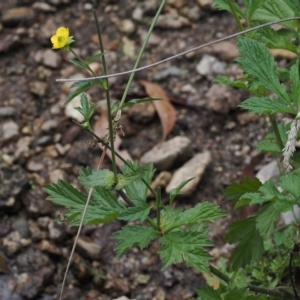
{"points": [[211, 280], [100, 129], [164, 108]]}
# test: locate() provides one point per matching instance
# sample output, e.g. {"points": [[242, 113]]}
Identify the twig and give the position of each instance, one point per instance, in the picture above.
{"points": [[181, 53]]}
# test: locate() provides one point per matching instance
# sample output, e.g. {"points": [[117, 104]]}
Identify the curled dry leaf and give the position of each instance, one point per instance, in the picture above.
{"points": [[164, 108], [100, 129]]}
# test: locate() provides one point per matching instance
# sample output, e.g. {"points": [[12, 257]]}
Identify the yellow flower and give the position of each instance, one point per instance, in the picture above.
{"points": [[61, 40]]}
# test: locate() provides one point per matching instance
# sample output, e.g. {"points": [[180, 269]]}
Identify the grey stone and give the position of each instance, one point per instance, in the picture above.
{"points": [[210, 65], [16, 15], [127, 26], [89, 248], [49, 125], [170, 21], [222, 98], [8, 131], [38, 87], [43, 7], [7, 111], [164, 156], [48, 58], [195, 167]]}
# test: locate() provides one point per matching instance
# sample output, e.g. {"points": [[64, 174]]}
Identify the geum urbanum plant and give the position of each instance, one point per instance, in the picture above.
{"points": [[183, 235]]}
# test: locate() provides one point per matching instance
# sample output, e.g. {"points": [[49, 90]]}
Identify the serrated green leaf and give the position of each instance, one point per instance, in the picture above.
{"points": [[65, 194], [128, 178], [82, 86], [185, 245], [251, 6], [257, 61], [295, 84], [139, 213], [291, 183], [237, 293], [176, 191], [268, 146], [236, 190], [223, 5], [265, 105], [208, 293], [94, 57], [266, 218], [79, 64], [86, 109], [250, 247], [133, 235], [226, 80], [101, 196], [137, 190], [172, 218], [103, 178], [98, 211]]}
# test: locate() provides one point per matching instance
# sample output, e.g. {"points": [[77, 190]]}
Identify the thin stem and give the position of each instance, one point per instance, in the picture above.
{"points": [[276, 131], [235, 15], [253, 288], [130, 203], [142, 51], [110, 125], [158, 204], [181, 53], [80, 227]]}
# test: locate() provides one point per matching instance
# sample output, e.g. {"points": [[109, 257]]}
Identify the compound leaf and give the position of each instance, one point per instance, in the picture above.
{"points": [[136, 213]]}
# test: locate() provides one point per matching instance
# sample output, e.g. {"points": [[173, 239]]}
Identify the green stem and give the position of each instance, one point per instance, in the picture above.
{"points": [[256, 289], [118, 155], [158, 205], [110, 125], [79, 58], [235, 15], [276, 131], [142, 51]]}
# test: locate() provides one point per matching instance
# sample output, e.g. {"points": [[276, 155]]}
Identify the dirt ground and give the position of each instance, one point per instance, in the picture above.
{"points": [[39, 143]]}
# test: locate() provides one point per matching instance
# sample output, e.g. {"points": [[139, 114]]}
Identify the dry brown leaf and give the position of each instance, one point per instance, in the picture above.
{"points": [[211, 280], [100, 129], [164, 108]]}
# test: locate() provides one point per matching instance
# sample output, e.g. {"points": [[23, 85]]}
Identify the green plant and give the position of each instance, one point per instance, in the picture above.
{"points": [[263, 250]]}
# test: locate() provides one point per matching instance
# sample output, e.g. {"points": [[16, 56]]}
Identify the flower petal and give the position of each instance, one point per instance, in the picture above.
{"points": [[62, 31]]}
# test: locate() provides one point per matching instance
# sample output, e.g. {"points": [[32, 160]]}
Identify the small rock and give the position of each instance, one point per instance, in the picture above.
{"points": [[36, 234], [7, 111], [128, 46], [12, 243], [16, 15], [268, 171], [21, 225], [71, 112], [35, 202], [282, 53], [192, 13], [3, 265], [222, 98], [49, 125], [43, 7], [195, 167], [169, 72], [162, 180], [56, 231], [23, 146], [34, 164], [127, 27], [43, 140], [121, 298], [47, 246], [165, 155], [62, 150], [48, 58], [32, 259], [88, 248], [142, 112], [170, 21], [137, 14], [142, 279], [87, 6], [13, 178], [8, 131], [56, 175], [210, 65], [246, 118], [225, 50], [31, 285], [38, 88], [205, 3]]}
